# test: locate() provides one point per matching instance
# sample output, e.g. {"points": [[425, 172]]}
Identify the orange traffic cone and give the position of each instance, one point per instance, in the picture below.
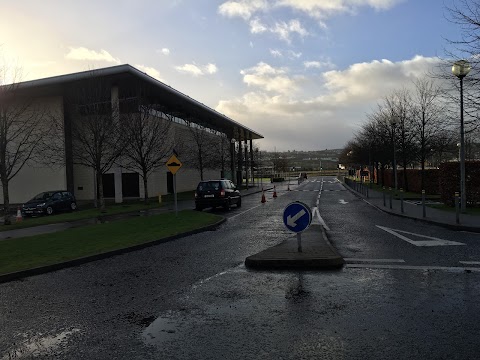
{"points": [[274, 191], [19, 215], [263, 197]]}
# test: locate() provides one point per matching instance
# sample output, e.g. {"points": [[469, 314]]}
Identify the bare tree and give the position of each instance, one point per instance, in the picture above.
{"points": [[22, 131], [399, 104], [427, 112], [202, 149], [146, 132], [97, 139], [221, 147]]}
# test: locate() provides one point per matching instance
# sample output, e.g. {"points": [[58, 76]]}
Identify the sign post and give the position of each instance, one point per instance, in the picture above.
{"points": [[173, 164], [297, 217]]}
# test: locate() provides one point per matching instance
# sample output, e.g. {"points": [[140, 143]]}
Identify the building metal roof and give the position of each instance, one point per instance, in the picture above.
{"points": [[173, 101]]}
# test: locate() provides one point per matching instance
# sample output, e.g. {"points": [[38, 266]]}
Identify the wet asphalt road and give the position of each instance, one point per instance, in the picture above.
{"points": [[193, 299]]}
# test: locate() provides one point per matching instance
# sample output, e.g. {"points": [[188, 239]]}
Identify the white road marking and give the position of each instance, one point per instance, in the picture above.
{"points": [[470, 262], [319, 218], [414, 267], [341, 201], [432, 242], [376, 260]]}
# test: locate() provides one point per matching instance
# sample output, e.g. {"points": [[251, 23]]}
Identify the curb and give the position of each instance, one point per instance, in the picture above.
{"points": [[83, 260], [457, 227], [273, 258]]}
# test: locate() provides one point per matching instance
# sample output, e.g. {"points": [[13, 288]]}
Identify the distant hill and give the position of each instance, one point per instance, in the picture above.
{"points": [[305, 160]]}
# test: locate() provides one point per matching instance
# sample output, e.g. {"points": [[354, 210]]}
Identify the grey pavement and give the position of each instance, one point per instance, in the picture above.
{"points": [[414, 210], [318, 253]]}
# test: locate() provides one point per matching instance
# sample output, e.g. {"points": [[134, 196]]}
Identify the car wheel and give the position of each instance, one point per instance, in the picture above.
{"points": [[239, 203], [73, 206], [49, 210]]}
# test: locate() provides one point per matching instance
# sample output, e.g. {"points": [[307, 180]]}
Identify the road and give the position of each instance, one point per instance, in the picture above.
{"points": [[406, 297]]}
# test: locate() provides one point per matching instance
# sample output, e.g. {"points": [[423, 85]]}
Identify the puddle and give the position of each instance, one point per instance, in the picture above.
{"points": [[39, 345], [162, 329]]}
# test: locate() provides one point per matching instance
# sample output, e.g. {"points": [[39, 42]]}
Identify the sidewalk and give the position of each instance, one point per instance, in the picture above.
{"points": [[412, 211]]}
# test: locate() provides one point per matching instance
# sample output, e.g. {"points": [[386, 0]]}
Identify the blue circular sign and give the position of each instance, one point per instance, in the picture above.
{"points": [[297, 216]]}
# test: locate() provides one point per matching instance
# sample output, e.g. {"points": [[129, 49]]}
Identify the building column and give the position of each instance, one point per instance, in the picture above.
{"points": [[232, 159], [251, 162], [240, 163], [246, 162], [117, 177]]}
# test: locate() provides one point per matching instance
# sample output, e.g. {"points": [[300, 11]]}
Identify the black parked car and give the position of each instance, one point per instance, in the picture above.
{"points": [[213, 193], [50, 202]]}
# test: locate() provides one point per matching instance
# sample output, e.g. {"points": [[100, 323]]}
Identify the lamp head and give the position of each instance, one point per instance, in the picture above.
{"points": [[461, 68]]}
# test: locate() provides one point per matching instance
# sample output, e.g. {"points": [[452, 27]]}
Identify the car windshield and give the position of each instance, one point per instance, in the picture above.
{"points": [[43, 196], [210, 185]]}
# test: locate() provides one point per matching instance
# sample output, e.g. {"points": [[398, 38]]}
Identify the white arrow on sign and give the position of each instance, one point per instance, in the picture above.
{"points": [[341, 201], [432, 242], [292, 220]]}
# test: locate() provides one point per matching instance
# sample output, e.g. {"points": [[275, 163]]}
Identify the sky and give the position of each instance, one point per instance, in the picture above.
{"points": [[303, 73]]}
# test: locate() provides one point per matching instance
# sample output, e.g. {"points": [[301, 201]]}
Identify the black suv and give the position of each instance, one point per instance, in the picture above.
{"points": [[213, 193], [50, 202]]}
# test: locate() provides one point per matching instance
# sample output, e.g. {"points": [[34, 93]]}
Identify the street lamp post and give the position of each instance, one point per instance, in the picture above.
{"points": [[460, 69], [394, 123]]}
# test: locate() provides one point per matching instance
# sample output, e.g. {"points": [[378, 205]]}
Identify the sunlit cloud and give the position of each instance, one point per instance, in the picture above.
{"points": [[269, 78], [335, 101], [150, 71], [164, 51], [242, 8], [195, 70], [84, 54]]}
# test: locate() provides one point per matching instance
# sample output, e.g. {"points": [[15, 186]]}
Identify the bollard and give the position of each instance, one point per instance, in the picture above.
{"points": [[423, 204], [401, 200], [457, 208], [384, 203], [390, 191], [159, 198], [367, 192]]}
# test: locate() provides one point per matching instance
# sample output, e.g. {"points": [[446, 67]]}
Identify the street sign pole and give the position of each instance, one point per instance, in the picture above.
{"points": [[173, 164], [297, 217], [175, 193]]}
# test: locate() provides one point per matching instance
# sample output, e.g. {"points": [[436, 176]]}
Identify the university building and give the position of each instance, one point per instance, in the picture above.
{"points": [[123, 83]]}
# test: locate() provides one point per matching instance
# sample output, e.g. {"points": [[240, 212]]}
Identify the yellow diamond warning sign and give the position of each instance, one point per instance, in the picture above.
{"points": [[173, 164]]}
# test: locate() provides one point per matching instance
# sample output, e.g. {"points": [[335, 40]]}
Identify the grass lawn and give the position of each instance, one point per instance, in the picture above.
{"points": [[34, 251], [87, 211]]}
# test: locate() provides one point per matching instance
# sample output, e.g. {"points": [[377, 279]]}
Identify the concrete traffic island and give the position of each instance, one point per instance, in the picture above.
{"points": [[317, 253]]}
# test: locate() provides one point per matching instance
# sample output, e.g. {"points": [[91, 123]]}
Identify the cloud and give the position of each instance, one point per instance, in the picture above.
{"points": [[242, 8], [282, 29], [268, 78], [276, 53], [256, 27], [318, 64], [164, 51], [325, 108], [320, 10], [82, 53], [196, 70], [150, 71]]}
